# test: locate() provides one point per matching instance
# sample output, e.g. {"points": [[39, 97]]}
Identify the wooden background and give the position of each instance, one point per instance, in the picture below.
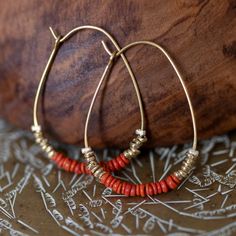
{"points": [[200, 36]]}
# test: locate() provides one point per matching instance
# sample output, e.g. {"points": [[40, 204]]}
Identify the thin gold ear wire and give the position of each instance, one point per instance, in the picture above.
{"points": [[194, 146], [59, 40], [112, 56], [173, 180]]}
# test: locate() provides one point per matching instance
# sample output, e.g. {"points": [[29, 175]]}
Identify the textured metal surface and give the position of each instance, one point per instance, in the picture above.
{"points": [[36, 198]]}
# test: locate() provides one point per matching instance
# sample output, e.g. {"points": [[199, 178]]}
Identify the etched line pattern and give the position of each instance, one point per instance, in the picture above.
{"points": [[32, 190]]}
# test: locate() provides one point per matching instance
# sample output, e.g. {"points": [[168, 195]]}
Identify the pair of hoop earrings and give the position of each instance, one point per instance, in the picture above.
{"points": [[103, 170]]}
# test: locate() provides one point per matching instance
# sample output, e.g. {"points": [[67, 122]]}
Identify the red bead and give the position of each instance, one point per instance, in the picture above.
{"points": [[77, 169], [176, 179], [72, 166], [110, 166], [115, 164], [142, 190], [61, 162], [83, 168], [121, 162], [154, 187], [164, 186], [149, 189], [112, 182], [123, 188], [133, 190], [119, 188], [124, 158], [108, 181], [138, 190], [58, 156], [159, 189], [171, 183], [127, 189], [66, 164], [104, 177], [116, 185]]}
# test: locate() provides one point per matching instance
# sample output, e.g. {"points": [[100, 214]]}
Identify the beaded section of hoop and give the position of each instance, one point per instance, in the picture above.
{"points": [[43, 142]]}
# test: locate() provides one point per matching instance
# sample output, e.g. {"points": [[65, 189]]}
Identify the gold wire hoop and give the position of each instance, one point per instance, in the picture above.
{"points": [[192, 154], [121, 51], [59, 40]]}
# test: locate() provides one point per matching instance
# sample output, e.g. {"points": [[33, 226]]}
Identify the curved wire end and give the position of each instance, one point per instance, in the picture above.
{"points": [[53, 33], [106, 48]]}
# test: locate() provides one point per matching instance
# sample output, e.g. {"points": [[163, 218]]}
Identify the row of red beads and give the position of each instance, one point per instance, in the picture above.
{"points": [[70, 165], [118, 186], [153, 188]]}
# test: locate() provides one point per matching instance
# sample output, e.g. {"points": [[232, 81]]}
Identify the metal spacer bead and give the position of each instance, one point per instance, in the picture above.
{"points": [[38, 140], [91, 158], [182, 173], [186, 169], [36, 128], [101, 174], [177, 174], [93, 170], [193, 152], [51, 154], [92, 164], [140, 132], [127, 154], [98, 172], [86, 150], [142, 139]]}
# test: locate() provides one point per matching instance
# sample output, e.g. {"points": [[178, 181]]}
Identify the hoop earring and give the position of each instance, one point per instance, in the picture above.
{"points": [[163, 186], [60, 160]]}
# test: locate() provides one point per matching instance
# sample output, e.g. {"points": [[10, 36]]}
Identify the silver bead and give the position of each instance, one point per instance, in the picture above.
{"points": [[98, 172], [92, 164], [142, 139], [51, 154], [140, 132], [36, 128], [193, 152], [95, 168], [101, 174], [86, 150]]}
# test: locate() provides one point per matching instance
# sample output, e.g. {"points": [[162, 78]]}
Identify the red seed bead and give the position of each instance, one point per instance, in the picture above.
{"points": [[61, 162], [171, 183], [83, 167], [108, 180], [121, 162], [127, 189], [104, 178], [142, 190], [133, 190], [154, 187], [66, 164], [159, 189], [137, 190], [57, 157], [176, 179], [77, 169], [72, 166], [123, 188], [148, 189], [110, 166], [119, 188], [115, 164], [112, 182], [164, 186], [116, 185], [124, 158]]}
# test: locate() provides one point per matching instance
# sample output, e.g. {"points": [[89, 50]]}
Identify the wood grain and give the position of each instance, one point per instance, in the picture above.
{"points": [[199, 34]]}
